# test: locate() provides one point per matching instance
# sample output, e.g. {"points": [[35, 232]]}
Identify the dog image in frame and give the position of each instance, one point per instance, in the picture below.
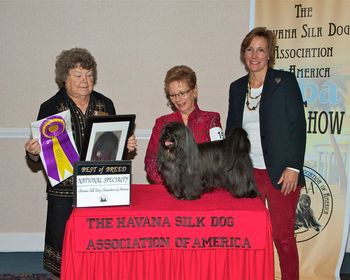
{"points": [[189, 169]]}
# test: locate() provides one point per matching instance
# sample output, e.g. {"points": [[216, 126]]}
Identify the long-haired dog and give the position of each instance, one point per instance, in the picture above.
{"points": [[189, 169]]}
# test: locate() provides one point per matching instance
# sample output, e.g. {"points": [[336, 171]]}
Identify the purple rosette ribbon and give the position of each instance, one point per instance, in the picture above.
{"points": [[57, 148]]}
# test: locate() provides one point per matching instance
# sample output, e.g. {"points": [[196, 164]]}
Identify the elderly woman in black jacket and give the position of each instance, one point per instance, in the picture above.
{"points": [[76, 75]]}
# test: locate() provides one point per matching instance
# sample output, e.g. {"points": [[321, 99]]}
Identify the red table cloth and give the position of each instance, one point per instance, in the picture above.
{"points": [[160, 237]]}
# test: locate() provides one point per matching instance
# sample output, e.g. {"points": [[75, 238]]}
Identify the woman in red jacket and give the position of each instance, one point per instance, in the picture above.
{"points": [[180, 86]]}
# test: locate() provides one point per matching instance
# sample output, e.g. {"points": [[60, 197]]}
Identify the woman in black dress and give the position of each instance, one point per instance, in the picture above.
{"points": [[76, 75]]}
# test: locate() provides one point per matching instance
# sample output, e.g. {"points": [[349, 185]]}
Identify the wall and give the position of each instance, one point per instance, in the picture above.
{"points": [[134, 43]]}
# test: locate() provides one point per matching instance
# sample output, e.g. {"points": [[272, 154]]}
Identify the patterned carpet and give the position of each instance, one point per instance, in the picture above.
{"points": [[27, 277], [50, 277]]}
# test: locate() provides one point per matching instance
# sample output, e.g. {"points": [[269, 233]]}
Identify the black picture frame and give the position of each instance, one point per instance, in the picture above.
{"points": [[106, 137]]}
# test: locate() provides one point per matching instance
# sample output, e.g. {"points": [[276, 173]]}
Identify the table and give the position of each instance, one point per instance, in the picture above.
{"points": [[160, 237]]}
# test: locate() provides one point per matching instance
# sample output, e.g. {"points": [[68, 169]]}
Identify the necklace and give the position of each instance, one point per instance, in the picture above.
{"points": [[249, 96]]}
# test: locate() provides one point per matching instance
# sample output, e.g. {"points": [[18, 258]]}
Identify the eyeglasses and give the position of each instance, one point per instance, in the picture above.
{"points": [[258, 51], [181, 94]]}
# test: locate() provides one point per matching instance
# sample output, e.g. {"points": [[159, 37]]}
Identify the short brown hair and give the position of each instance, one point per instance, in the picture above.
{"points": [[180, 73], [69, 59], [264, 33]]}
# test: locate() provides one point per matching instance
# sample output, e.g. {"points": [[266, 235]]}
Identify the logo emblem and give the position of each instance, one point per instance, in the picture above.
{"points": [[314, 208], [103, 198]]}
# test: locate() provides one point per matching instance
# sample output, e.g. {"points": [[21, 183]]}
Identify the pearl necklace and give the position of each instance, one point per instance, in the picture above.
{"points": [[249, 96]]}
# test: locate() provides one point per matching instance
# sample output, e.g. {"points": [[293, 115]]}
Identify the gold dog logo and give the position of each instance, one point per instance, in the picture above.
{"points": [[314, 208]]}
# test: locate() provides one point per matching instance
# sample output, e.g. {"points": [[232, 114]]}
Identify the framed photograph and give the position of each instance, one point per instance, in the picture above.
{"points": [[106, 137]]}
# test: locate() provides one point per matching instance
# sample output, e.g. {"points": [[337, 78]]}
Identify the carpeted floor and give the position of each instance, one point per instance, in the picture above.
{"points": [[23, 266], [27, 277], [28, 266]]}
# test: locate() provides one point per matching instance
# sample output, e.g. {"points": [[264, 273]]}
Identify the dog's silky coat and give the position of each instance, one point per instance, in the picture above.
{"points": [[189, 169]]}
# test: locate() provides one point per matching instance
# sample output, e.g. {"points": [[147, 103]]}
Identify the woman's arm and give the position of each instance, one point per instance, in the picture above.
{"points": [[151, 166]]}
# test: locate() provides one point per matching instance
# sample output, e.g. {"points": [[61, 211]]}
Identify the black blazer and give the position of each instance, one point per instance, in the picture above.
{"points": [[282, 121]]}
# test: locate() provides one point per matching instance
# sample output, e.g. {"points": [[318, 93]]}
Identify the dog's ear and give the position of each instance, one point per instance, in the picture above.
{"points": [[189, 147]]}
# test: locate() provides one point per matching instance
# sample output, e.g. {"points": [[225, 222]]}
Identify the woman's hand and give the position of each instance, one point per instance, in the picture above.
{"points": [[33, 148], [289, 180], [132, 143]]}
